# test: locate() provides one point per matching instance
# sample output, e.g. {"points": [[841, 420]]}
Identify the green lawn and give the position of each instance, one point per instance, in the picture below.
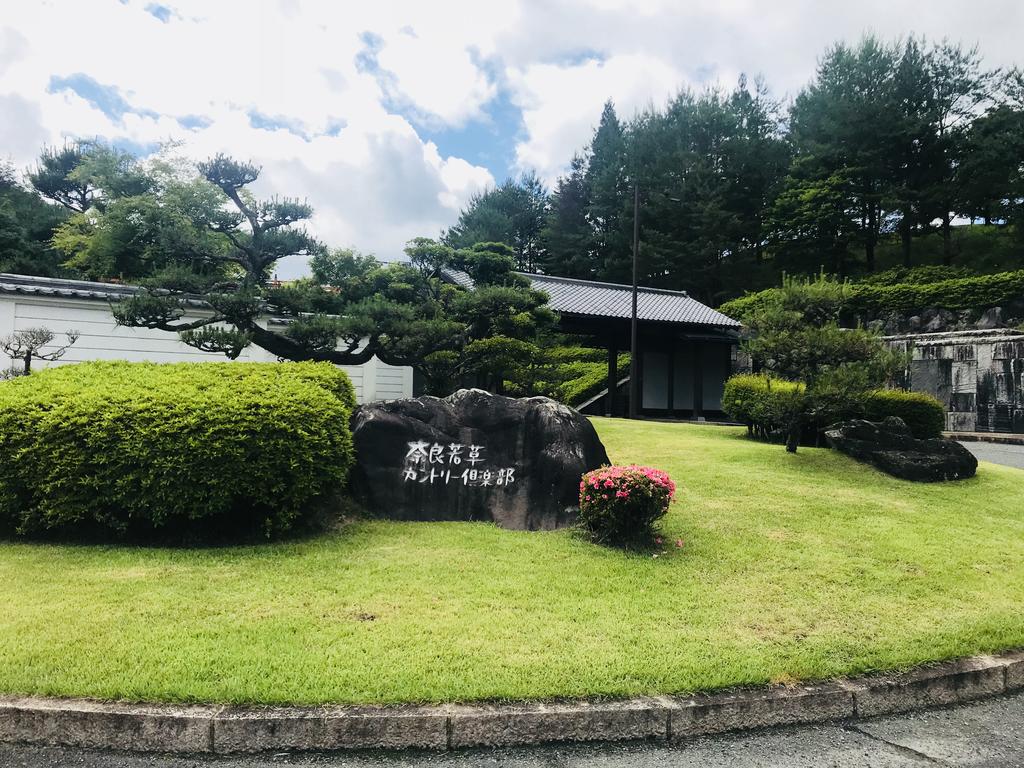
{"points": [[805, 566]]}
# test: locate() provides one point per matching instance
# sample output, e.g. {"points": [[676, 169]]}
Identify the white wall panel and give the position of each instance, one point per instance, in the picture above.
{"points": [[102, 339]]}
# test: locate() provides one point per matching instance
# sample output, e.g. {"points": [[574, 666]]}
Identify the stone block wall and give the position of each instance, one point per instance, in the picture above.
{"points": [[978, 375]]}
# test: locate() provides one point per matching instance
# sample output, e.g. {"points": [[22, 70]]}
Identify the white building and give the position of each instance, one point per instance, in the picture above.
{"points": [[63, 305]]}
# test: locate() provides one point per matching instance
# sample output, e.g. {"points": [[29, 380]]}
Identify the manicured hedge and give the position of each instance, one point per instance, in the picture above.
{"points": [[972, 292], [977, 292], [588, 377], [922, 413], [755, 400], [759, 402], [184, 451], [928, 273]]}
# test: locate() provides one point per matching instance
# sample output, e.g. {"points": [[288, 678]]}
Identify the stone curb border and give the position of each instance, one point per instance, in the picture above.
{"points": [[998, 438], [226, 730]]}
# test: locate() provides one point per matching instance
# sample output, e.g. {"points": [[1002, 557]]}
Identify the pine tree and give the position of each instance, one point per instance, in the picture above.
{"points": [[607, 180], [567, 237]]}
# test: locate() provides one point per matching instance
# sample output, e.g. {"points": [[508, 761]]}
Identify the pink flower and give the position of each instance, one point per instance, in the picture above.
{"points": [[658, 540], [679, 543]]}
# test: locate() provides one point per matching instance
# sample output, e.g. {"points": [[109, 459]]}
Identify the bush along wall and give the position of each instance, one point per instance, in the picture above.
{"points": [[181, 452], [758, 401], [924, 414], [867, 299]]}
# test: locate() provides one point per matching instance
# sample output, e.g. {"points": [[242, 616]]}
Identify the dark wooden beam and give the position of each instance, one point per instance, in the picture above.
{"points": [[611, 402], [670, 404], [698, 381]]}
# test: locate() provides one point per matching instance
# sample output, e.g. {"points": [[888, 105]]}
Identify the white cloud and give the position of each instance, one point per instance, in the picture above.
{"points": [[20, 128], [704, 42], [264, 81], [444, 83], [304, 70], [562, 104]]}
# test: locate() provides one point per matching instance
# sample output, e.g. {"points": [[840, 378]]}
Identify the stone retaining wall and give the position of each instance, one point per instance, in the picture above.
{"points": [[978, 375]]}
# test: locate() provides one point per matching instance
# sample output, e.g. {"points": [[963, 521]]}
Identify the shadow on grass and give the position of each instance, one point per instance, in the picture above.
{"points": [[241, 529]]}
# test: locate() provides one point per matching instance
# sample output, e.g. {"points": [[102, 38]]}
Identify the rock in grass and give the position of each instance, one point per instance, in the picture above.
{"points": [[473, 456], [890, 446]]}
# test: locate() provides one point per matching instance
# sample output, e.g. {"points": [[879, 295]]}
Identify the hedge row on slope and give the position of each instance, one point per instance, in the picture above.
{"points": [[184, 451], [973, 292]]}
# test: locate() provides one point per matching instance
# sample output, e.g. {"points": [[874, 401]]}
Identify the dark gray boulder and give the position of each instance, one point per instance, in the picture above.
{"points": [[473, 456], [890, 446]]}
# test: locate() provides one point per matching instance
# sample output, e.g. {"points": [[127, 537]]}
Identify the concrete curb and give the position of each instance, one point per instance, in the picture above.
{"points": [[227, 730], [999, 438]]}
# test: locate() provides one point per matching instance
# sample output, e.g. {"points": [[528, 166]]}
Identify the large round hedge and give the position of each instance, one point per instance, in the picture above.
{"points": [[183, 450]]}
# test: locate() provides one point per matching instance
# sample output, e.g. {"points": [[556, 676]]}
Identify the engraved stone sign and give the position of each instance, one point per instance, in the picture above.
{"points": [[473, 456]]}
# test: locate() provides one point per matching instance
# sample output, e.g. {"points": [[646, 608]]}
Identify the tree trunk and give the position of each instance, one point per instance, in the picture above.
{"points": [[793, 437], [28, 363], [872, 237], [905, 238], [947, 240]]}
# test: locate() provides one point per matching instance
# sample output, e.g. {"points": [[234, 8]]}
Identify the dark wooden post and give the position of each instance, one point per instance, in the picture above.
{"points": [[639, 377], [698, 380], [670, 403], [611, 402]]}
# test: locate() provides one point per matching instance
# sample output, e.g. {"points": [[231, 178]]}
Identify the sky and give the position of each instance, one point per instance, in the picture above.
{"points": [[388, 116]]}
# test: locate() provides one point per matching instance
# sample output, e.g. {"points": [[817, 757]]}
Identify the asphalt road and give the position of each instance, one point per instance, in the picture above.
{"points": [[989, 733], [997, 453]]}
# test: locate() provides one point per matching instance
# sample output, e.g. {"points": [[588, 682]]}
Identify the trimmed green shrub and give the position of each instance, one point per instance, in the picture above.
{"points": [[585, 378], [970, 292], [922, 413], [619, 506], [929, 273], [184, 451], [760, 402], [743, 307], [977, 292]]}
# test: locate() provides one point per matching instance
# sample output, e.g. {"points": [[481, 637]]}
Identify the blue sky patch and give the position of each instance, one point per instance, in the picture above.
{"points": [[161, 12], [106, 98], [194, 122], [137, 148], [489, 141], [266, 122]]}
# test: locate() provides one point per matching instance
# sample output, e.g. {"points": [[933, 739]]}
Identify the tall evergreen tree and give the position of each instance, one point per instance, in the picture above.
{"points": [[845, 122], [961, 89], [913, 148], [608, 181], [26, 225], [512, 213], [567, 238]]}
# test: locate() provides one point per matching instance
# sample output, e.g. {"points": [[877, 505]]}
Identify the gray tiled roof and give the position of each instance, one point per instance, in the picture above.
{"points": [[589, 297], [567, 295], [73, 289], [57, 287]]}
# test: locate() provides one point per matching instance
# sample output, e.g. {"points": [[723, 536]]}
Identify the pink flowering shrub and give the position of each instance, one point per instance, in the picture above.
{"points": [[620, 505]]}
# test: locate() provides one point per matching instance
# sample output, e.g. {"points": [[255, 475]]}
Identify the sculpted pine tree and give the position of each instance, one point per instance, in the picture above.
{"points": [[258, 233], [352, 309]]}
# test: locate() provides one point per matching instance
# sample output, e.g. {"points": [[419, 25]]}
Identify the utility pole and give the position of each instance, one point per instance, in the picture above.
{"points": [[634, 361]]}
